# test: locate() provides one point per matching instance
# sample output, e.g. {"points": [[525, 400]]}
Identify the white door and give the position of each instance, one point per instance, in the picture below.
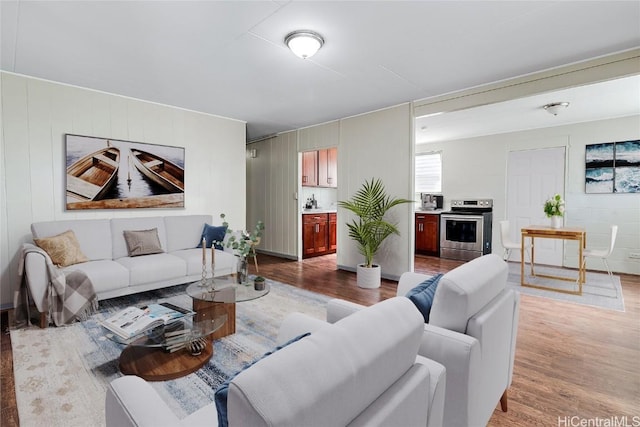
{"points": [[532, 177]]}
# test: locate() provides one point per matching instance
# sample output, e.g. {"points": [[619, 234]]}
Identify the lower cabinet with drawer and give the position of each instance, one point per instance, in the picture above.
{"points": [[427, 234], [318, 234]]}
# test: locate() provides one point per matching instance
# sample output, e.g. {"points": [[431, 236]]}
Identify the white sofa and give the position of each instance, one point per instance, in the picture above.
{"points": [[361, 371], [472, 331], [112, 272]]}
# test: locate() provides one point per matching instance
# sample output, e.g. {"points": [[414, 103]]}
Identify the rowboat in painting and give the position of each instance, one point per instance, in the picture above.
{"points": [[159, 170], [91, 177]]}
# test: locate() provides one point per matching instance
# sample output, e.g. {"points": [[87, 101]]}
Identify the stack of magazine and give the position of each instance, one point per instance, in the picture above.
{"points": [[133, 321]]}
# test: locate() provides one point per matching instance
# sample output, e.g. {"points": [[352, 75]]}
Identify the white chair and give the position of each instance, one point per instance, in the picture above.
{"points": [[472, 331], [508, 244], [603, 254]]}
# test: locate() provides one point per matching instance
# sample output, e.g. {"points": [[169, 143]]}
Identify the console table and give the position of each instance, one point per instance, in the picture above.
{"points": [[545, 232]]}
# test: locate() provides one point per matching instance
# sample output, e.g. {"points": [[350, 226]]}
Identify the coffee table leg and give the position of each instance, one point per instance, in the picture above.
{"points": [[211, 310]]}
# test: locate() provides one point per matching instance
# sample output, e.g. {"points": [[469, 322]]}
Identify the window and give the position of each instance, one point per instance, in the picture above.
{"points": [[429, 173]]}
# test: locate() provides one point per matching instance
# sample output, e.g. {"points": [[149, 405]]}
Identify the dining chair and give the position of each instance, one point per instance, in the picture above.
{"points": [[603, 253], [509, 244]]}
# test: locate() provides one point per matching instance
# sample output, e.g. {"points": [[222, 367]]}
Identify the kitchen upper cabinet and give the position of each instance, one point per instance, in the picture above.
{"points": [[328, 168], [427, 234], [310, 169], [320, 168]]}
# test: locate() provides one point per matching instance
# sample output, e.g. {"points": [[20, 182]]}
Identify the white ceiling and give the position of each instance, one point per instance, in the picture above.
{"points": [[606, 100], [228, 57]]}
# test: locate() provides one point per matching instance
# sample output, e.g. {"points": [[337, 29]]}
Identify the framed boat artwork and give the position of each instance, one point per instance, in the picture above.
{"points": [[613, 167], [107, 173]]}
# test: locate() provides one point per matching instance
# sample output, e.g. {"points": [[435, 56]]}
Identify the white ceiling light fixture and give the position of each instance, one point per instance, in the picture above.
{"points": [[304, 43], [555, 107]]}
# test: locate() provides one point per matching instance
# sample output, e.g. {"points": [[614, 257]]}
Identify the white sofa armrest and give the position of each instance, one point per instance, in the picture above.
{"points": [[339, 309], [131, 401], [37, 277], [297, 324], [461, 356]]}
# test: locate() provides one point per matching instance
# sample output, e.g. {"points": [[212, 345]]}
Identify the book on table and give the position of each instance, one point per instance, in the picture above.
{"points": [[133, 321]]}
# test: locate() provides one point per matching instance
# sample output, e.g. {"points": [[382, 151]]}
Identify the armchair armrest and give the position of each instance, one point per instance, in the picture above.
{"points": [[339, 309], [131, 401], [297, 324], [461, 356]]}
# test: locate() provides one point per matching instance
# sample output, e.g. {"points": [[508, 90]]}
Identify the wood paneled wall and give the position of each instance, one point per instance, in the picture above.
{"points": [[36, 114]]}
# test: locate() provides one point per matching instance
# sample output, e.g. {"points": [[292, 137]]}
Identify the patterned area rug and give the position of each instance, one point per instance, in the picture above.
{"points": [[598, 290], [61, 373]]}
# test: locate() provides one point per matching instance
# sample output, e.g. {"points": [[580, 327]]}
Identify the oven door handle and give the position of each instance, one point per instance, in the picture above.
{"points": [[461, 217]]}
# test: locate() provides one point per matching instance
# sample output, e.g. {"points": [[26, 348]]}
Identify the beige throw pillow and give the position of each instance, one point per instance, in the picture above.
{"points": [[142, 242], [63, 249]]}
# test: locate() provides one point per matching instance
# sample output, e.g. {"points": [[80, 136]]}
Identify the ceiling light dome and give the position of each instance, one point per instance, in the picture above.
{"points": [[304, 43], [555, 107]]}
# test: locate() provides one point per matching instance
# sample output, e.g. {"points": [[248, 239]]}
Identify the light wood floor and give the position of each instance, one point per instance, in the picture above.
{"points": [[571, 360]]}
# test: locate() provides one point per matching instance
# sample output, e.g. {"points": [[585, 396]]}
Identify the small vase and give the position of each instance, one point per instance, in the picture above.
{"points": [[243, 271], [556, 221]]}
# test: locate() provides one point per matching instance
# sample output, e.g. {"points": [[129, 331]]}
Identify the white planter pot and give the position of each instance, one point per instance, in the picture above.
{"points": [[556, 222], [368, 278]]}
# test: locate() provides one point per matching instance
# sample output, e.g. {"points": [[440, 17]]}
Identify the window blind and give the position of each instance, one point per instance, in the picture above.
{"points": [[428, 173]]}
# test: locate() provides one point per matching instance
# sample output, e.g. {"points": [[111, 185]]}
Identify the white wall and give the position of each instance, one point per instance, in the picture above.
{"points": [[272, 186], [378, 145], [35, 116], [477, 167]]}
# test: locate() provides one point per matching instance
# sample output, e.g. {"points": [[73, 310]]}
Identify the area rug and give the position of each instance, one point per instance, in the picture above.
{"points": [[597, 291], [61, 374]]}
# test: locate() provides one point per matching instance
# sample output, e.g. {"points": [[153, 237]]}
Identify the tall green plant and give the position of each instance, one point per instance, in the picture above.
{"points": [[370, 204]]}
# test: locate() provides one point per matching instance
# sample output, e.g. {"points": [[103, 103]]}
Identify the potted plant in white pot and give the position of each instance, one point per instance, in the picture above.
{"points": [[370, 204]]}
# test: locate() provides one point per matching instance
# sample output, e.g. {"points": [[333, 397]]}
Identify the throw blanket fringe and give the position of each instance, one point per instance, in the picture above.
{"points": [[71, 296]]}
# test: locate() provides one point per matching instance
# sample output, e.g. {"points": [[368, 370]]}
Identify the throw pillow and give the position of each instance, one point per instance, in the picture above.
{"points": [[223, 391], [213, 235], [422, 295], [63, 249], [142, 242]]}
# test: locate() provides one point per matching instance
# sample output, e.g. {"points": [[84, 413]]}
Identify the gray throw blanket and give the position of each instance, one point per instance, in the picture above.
{"points": [[70, 294]]}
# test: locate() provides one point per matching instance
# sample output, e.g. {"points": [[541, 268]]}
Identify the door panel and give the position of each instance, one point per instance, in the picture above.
{"points": [[532, 177]]}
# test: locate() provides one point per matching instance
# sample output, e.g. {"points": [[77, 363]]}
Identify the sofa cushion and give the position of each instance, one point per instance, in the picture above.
{"points": [[119, 225], [153, 268], [422, 295], [332, 375], [465, 290], [185, 231], [94, 235], [222, 392], [142, 242], [105, 275], [63, 249], [213, 235]]}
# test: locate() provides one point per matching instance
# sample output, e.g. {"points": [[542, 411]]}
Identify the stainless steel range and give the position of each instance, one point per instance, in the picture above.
{"points": [[465, 231]]}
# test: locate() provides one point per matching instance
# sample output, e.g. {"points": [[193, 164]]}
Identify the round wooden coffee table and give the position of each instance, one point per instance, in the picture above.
{"points": [[147, 356]]}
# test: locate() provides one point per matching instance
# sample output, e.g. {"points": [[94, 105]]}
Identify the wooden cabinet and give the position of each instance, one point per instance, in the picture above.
{"points": [[318, 234], [427, 234], [310, 169], [320, 168], [315, 234], [328, 168], [333, 231]]}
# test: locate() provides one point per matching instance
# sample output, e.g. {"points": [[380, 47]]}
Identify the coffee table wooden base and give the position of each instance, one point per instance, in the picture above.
{"points": [[154, 364]]}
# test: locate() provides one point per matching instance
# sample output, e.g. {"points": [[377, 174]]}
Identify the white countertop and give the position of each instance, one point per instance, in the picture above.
{"points": [[430, 212], [319, 211]]}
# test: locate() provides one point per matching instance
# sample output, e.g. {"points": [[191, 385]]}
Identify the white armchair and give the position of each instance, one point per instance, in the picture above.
{"points": [[471, 331]]}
